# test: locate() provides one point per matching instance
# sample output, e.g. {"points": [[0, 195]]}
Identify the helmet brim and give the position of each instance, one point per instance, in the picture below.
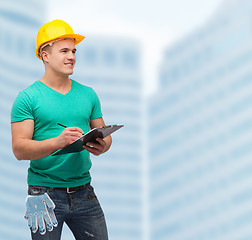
{"points": [[78, 38]]}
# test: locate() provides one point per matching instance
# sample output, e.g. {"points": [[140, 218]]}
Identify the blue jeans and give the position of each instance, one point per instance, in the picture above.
{"points": [[80, 210]]}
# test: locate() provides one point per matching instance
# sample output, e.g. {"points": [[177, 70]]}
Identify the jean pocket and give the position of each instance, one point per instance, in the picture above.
{"points": [[91, 193]]}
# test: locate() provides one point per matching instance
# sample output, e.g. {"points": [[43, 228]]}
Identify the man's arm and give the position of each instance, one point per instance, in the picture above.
{"points": [[104, 144], [24, 148]]}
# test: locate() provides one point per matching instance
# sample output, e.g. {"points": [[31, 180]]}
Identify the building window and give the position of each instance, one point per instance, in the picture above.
{"points": [[129, 59], [20, 47], [90, 56], [109, 57]]}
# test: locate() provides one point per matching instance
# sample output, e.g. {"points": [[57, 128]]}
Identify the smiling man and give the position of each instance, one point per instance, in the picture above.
{"points": [[59, 189]]}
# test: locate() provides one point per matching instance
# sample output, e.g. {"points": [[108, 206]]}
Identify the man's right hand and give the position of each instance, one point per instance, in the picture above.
{"points": [[68, 136]]}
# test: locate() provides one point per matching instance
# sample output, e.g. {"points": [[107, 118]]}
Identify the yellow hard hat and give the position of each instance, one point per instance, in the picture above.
{"points": [[53, 30]]}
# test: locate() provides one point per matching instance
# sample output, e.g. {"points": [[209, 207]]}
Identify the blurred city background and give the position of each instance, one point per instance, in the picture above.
{"points": [[178, 76]]}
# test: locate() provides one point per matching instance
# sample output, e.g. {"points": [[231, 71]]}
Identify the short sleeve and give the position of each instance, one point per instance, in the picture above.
{"points": [[22, 108], [96, 111]]}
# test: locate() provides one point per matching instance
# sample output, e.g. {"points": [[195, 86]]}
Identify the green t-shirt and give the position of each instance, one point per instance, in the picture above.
{"points": [[47, 108]]}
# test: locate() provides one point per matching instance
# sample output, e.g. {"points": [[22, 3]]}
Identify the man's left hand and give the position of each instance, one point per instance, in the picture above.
{"points": [[96, 148]]}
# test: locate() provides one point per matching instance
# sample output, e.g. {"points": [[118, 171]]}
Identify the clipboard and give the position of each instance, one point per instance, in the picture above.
{"points": [[77, 146]]}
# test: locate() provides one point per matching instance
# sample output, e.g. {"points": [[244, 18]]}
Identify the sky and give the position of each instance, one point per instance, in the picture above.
{"points": [[156, 24]]}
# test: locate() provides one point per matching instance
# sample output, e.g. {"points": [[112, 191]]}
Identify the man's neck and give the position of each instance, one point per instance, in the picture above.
{"points": [[61, 84]]}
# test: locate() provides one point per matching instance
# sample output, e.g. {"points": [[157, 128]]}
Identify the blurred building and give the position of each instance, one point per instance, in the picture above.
{"points": [[112, 67], [200, 131], [19, 22]]}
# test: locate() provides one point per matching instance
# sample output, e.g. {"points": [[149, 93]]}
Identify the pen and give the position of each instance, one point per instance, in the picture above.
{"points": [[65, 126], [62, 125]]}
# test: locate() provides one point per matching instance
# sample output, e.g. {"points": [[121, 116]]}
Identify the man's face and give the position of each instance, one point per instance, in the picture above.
{"points": [[61, 57]]}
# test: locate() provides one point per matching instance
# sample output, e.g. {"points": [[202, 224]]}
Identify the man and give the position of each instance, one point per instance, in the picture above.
{"points": [[58, 185]]}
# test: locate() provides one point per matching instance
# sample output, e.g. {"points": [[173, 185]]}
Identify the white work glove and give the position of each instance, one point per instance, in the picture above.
{"points": [[39, 211]]}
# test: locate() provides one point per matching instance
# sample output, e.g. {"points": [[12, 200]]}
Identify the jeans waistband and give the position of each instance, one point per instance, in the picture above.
{"points": [[38, 190]]}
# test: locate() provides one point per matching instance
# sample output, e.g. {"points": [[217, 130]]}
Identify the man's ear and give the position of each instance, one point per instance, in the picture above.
{"points": [[44, 56]]}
